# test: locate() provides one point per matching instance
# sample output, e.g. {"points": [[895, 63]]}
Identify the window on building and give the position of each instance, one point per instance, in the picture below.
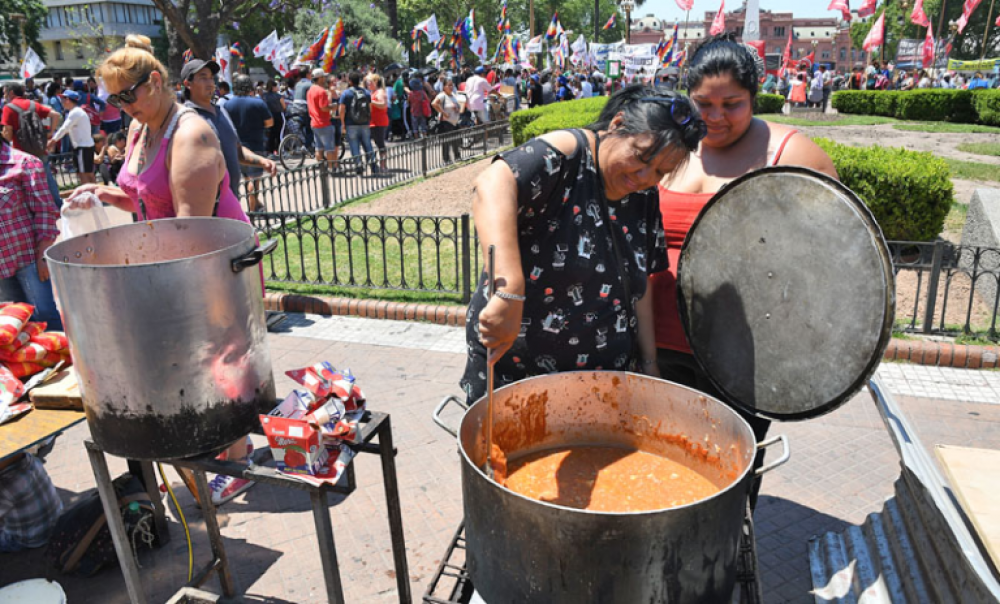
{"points": [[843, 54], [777, 50], [825, 54], [779, 32], [812, 34], [59, 52], [78, 50]]}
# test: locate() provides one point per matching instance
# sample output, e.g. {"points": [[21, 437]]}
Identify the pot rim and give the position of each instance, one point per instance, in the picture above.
{"points": [[629, 374], [148, 223]]}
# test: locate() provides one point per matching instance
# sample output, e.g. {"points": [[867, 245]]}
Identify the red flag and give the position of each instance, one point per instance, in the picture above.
{"points": [[918, 15], [928, 50], [967, 8], [844, 7], [719, 24], [867, 8], [877, 34], [685, 4], [786, 60], [997, 22]]}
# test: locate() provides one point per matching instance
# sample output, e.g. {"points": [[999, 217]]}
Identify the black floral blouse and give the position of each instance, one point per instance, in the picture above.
{"points": [[573, 318]]}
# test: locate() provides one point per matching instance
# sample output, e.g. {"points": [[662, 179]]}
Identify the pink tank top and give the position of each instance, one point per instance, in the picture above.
{"points": [[153, 185]]}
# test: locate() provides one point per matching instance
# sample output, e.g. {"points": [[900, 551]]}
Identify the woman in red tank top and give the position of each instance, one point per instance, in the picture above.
{"points": [[722, 82]]}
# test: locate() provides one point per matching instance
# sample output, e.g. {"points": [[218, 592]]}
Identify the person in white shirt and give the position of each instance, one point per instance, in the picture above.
{"points": [[77, 125], [586, 88], [477, 89]]}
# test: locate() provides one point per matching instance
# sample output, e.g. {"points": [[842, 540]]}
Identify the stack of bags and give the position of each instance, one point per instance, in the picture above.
{"points": [[25, 349]]}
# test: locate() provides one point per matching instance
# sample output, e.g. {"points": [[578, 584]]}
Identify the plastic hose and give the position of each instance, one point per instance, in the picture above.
{"points": [[180, 513]]}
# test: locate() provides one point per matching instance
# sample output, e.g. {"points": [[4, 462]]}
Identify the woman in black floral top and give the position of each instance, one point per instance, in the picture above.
{"points": [[551, 208]]}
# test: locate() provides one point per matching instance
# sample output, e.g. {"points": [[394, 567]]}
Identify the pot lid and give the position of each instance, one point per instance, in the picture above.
{"points": [[785, 290]]}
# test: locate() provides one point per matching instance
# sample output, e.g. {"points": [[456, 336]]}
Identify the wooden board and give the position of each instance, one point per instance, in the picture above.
{"points": [[34, 427], [975, 474], [61, 391]]}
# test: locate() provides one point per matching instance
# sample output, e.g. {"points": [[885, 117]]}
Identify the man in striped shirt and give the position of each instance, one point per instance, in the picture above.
{"points": [[28, 227]]}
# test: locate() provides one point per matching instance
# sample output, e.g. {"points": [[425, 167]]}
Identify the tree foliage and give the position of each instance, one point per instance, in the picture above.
{"points": [[361, 18], [10, 29]]}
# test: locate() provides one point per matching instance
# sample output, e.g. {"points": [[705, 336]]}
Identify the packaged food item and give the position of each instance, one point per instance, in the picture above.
{"points": [[312, 381], [295, 445], [13, 317], [29, 352], [31, 329], [23, 370], [329, 412], [53, 341], [51, 359], [324, 380]]}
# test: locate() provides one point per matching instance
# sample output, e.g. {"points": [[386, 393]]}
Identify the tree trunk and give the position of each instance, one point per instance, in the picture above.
{"points": [[175, 58], [391, 9]]}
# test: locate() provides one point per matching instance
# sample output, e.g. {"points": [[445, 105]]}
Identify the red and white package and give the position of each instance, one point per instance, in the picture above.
{"points": [[11, 389], [30, 330], [23, 370], [53, 341], [310, 378], [13, 317]]}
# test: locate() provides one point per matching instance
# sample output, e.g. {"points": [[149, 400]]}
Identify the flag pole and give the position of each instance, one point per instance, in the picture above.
{"points": [[986, 31]]}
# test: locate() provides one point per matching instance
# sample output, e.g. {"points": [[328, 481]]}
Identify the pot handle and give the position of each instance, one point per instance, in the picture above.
{"points": [[444, 403], [785, 454], [254, 256]]}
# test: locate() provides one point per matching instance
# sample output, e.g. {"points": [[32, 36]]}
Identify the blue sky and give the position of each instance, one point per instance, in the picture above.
{"points": [[667, 9]]}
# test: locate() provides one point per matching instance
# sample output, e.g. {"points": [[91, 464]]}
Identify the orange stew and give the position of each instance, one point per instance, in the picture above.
{"points": [[606, 479]]}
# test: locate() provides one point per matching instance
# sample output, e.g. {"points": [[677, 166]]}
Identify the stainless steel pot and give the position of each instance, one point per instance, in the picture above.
{"points": [[522, 550], [167, 332]]}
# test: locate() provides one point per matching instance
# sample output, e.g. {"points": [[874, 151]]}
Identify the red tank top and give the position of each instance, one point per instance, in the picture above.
{"points": [[679, 212]]}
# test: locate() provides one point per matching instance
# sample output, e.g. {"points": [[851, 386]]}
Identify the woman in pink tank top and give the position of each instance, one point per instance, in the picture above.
{"points": [[722, 82], [173, 168]]}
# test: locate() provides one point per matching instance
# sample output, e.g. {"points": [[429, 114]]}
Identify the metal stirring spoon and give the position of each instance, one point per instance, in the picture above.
{"points": [[490, 363]]}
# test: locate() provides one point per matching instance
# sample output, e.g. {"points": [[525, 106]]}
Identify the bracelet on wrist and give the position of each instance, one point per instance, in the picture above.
{"points": [[510, 296]]}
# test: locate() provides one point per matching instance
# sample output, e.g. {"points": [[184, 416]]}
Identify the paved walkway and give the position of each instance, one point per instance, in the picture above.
{"points": [[842, 468]]}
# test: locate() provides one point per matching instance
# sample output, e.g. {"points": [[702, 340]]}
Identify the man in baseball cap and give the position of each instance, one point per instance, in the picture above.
{"points": [[322, 107]]}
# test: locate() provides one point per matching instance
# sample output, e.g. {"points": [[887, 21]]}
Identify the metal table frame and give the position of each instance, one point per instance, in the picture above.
{"points": [[373, 425]]}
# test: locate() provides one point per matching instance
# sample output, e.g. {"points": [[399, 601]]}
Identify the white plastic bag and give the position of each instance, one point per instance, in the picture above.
{"points": [[84, 215]]}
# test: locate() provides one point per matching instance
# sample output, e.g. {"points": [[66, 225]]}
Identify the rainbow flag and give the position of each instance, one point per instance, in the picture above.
{"points": [[188, 55], [315, 50], [334, 47], [237, 54], [503, 17], [555, 28], [666, 54], [359, 43], [611, 22], [679, 58]]}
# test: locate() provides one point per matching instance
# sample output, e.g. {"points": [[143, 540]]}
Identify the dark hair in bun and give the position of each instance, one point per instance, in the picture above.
{"points": [[655, 118], [722, 54]]}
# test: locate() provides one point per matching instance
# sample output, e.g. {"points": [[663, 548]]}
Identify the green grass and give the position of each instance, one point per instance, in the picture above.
{"points": [[845, 120], [955, 220], [992, 149], [346, 249], [947, 128], [970, 170]]}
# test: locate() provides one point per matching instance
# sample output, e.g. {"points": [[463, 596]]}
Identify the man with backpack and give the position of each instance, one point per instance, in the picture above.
{"points": [[77, 126], [22, 127], [355, 117]]}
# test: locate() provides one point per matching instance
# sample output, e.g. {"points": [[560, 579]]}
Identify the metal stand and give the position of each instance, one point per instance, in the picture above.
{"points": [[373, 425]]}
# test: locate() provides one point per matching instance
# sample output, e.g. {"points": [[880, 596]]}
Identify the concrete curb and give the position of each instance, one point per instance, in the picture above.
{"points": [[921, 352]]}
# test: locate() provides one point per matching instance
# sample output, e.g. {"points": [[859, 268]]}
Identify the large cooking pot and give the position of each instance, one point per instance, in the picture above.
{"points": [[167, 330], [785, 291], [522, 550]]}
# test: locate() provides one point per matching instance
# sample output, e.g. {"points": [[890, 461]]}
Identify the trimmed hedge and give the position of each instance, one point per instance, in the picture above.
{"points": [[909, 192], [769, 103], [963, 106]]}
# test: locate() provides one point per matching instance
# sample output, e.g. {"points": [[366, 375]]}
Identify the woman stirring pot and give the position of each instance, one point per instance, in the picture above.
{"points": [[173, 167], [574, 219], [722, 81]]}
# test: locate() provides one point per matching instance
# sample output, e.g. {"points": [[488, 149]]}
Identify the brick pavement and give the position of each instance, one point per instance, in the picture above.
{"points": [[842, 468]]}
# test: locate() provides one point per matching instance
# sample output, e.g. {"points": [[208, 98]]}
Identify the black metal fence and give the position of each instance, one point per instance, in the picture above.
{"points": [[315, 187], [946, 288], [63, 169]]}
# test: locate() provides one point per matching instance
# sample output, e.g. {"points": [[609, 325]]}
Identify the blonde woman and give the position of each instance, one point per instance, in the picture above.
{"points": [[173, 167], [380, 113]]}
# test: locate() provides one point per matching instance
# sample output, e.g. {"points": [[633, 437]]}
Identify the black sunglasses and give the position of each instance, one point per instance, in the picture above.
{"points": [[127, 97]]}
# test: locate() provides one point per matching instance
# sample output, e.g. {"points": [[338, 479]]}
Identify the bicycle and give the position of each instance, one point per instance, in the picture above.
{"points": [[292, 150]]}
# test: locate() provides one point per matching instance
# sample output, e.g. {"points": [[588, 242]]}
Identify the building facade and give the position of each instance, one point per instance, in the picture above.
{"points": [[77, 35], [829, 37]]}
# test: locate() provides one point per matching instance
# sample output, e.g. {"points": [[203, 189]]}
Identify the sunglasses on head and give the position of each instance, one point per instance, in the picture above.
{"points": [[127, 97]]}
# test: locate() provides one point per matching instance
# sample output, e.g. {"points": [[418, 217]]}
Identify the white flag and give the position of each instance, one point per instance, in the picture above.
{"points": [[432, 57], [478, 46], [282, 49], [580, 45], [281, 64], [430, 27], [534, 45], [265, 46], [32, 64], [222, 57], [406, 57]]}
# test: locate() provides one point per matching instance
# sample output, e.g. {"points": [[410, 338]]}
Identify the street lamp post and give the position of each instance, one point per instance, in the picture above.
{"points": [[815, 43], [627, 5]]}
